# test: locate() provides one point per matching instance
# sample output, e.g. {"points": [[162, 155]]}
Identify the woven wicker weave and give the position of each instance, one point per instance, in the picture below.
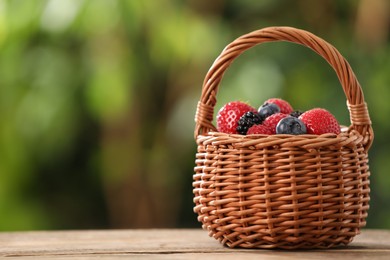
{"points": [[282, 191]]}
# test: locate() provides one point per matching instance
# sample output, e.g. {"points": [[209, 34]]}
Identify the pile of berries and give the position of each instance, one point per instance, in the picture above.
{"points": [[275, 116]]}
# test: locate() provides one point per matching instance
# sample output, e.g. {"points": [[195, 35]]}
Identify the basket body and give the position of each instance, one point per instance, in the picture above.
{"points": [[273, 192], [282, 191]]}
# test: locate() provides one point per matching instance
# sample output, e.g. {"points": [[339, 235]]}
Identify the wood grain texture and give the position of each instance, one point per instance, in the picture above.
{"points": [[169, 244]]}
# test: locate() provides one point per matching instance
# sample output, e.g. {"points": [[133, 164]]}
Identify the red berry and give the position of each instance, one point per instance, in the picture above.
{"points": [[229, 114], [259, 129], [320, 121], [284, 106], [272, 121]]}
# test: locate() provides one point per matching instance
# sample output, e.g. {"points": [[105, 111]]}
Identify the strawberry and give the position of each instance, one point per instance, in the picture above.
{"points": [[259, 129], [272, 121], [284, 106], [320, 121], [229, 114]]}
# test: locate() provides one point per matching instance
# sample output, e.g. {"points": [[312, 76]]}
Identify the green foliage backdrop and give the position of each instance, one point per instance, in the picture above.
{"points": [[97, 99]]}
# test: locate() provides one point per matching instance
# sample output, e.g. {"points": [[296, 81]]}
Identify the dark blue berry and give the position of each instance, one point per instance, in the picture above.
{"points": [[268, 109], [291, 125]]}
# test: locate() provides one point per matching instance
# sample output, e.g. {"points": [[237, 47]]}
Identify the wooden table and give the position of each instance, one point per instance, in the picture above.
{"points": [[169, 244]]}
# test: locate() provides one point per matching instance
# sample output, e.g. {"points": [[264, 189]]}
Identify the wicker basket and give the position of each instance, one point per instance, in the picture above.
{"points": [[282, 191]]}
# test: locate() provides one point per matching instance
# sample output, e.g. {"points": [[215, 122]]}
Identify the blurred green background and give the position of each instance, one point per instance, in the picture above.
{"points": [[97, 99]]}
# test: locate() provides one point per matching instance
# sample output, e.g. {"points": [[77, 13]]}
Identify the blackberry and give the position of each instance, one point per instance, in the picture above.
{"points": [[247, 120], [296, 113]]}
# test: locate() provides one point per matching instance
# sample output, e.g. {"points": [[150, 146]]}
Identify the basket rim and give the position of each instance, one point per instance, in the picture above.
{"points": [[349, 138]]}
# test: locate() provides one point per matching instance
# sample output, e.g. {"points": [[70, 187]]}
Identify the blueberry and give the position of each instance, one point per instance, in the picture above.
{"points": [[291, 125], [268, 109]]}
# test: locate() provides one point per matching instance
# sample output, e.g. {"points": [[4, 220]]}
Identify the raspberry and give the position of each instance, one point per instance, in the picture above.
{"points": [[247, 120], [259, 129], [284, 106], [272, 121], [229, 114], [320, 121]]}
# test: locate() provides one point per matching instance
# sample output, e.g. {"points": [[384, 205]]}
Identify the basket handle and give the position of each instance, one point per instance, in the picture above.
{"points": [[359, 116]]}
